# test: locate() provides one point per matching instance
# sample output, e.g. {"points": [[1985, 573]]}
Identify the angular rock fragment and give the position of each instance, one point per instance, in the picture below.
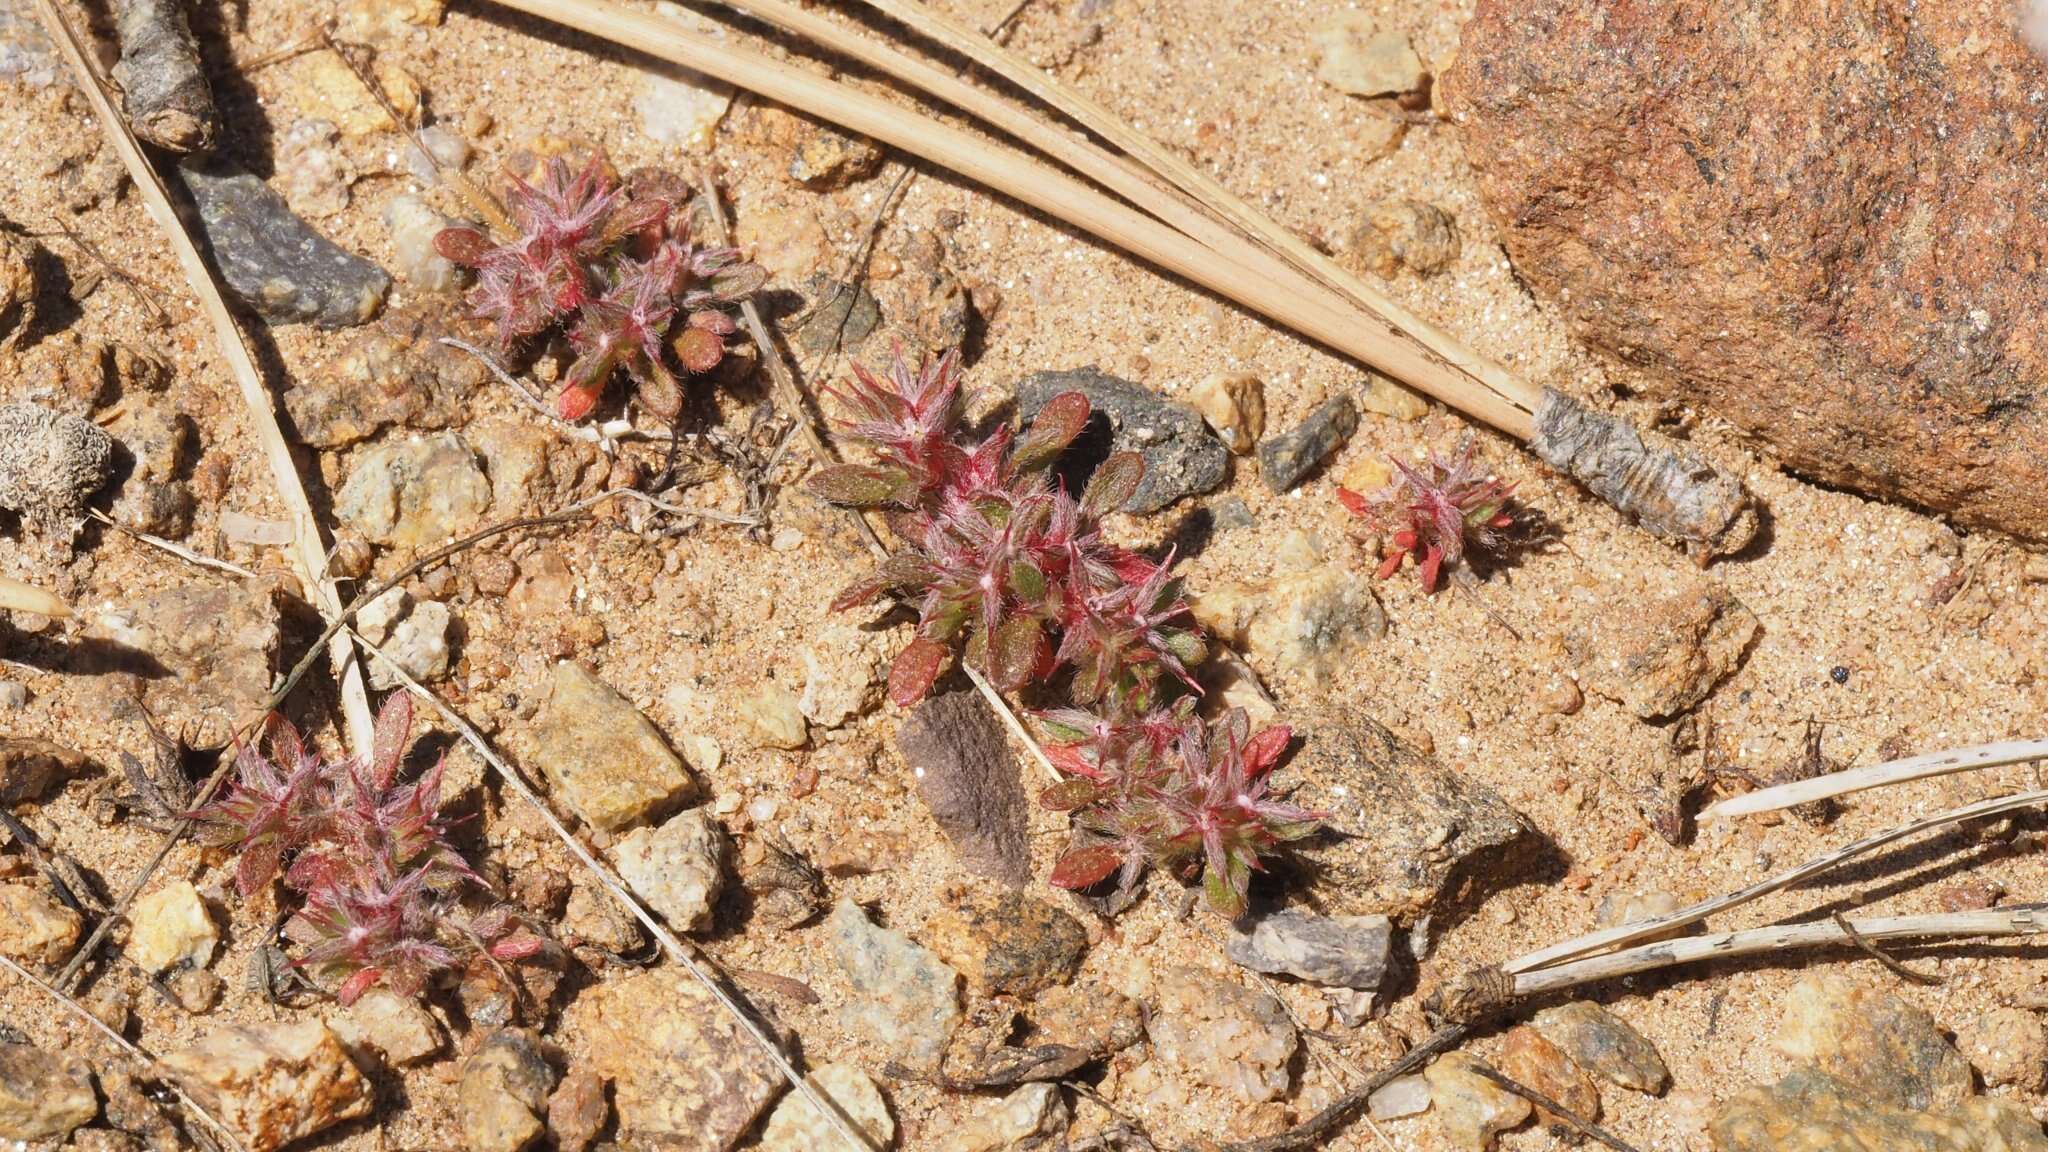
{"points": [[1663, 657], [220, 641], [29, 768], [1411, 234], [272, 1084], [2007, 1046], [275, 261], [604, 759], [678, 867], [1007, 944], [796, 1125], [905, 1000], [684, 1074], [1360, 58], [1529, 1059], [414, 493], [1604, 1044], [394, 372], [776, 716], [171, 926], [1181, 457], [578, 1110], [18, 288], [1471, 1108], [34, 927], [1336, 951], [504, 1093], [1234, 404], [50, 465], [398, 1026], [1029, 1118], [970, 782], [1223, 1034], [1285, 459], [1316, 621], [43, 1095], [1886, 1048], [1810, 1111]]}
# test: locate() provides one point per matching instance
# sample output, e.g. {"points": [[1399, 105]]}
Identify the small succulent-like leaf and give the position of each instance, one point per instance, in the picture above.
{"points": [[1115, 481], [1063, 418], [861, 485], [914, 670], [699, 349], [1015, 652], [1086, 867], [518, 946], [1227, 891], [1262, 751], [392, 733], [462, 245], [737, 281], [1027, 582], [1185, 646], [1069, 795]]}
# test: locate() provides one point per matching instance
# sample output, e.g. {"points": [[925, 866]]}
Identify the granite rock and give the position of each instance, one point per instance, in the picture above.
{"points": [[678, 868], [796, 1125], [905, 999], [1810, 1111], [272, 1084], [1223, 1034], [1662, 657], [1890, 1050], [414, 493], [1336, 951], [1006, 943], [1603, 1044]]}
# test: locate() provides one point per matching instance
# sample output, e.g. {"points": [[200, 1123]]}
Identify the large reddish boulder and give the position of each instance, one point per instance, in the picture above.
{"points": [[1825, 221]]}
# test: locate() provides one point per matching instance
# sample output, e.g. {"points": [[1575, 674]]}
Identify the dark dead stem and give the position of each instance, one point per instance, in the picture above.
{"points": [[1583, 1125], [1312, 1133], [1924, 979]]}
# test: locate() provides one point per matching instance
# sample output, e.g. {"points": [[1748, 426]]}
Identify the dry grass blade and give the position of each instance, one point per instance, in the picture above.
{"points": [[143, 1059], [16, 596], [1097, 118], [683, 956], [188, 555], [1010, 721], [309, 551], [1230, 273], [1878, 776]]}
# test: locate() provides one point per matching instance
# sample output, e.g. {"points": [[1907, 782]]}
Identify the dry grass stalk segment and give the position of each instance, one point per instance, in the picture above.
{"points": [[16, 596], [163, 82], [1919, 767]]}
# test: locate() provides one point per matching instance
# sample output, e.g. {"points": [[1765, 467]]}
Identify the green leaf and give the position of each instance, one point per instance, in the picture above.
{"points": [[1027, 582], [1114, 483], [1186, 646], [1063, 418], [1015, 652], [862, 485], [1086, 867], [1226, 893]]}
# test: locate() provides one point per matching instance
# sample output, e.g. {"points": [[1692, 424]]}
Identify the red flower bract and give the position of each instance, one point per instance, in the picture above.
{"points": [[1435, 514]]}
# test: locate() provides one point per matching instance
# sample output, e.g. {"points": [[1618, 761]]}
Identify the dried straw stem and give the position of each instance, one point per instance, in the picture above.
{"points": [[1878, 776], [16, 596], [1239, 273], [308, 548]]}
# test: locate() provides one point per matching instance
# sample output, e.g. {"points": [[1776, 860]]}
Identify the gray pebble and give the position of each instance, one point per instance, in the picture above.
{"points": [[275, 261], [1284, 460], [1182, 458]]}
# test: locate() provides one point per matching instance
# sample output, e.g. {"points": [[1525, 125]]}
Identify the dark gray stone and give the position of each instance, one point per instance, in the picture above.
{"points": [[275, 261], [1337, 951], [1181, 457], [1284, 460], [970, 781]]}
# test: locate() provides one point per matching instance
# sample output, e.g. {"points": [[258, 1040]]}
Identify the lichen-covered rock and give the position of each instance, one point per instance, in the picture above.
{"points": [[1336, 951], [1008, 943], [971, 783], [35, 928], [1181, 457], [275, 261], [1408, 825], [1223, 1034], [678, 867], [1795, 217], [605, 760], [414, 493], [503, 1093], [394, 372], [1315, 622], [684, 1075], [1603, 1044], [272, 1084], [1662, 657], [796, 1125], [1810, 1111], [905, 1000], [1471, 1108], [169, 926], [50, 465], [43, 1095], [1890, 1050]]}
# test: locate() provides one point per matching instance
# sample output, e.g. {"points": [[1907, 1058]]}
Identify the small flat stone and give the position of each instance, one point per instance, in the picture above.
{"points": [[1661, 658], [2007, 1046], [1885, 1047], [1529, 1059], [1809, 1111], [220, 640], [1411, 234], [30, 768], [418, 644], [1471, 1109], [1007, 943], [43, 1095], [684, 1075], [1234, 405], [1337, 951], [796, 1125], [1604, 1044], [503, 1093], [275, 261], [603, 758], [970, 782], [322, 85], [905, 999], [50, 465], [271, 1084], [678, 867], [397, 1026], [776, 716], [414, 493], [578, 1110], [841, 315], [171, 926], [826, 158], [1383, 397], [1223, 1034], [1285, 459], [841, 675], [1360, 59], [1181, 457], [1030, 1118]]}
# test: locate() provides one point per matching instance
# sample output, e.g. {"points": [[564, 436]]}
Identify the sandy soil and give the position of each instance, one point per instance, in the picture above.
{"points": [[1842, 582]]}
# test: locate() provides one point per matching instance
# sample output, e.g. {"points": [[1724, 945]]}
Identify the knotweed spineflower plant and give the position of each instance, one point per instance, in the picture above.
{"points": [[383, 889], [1167, 791], [1435, 513], [998, 560], [611, 265]]}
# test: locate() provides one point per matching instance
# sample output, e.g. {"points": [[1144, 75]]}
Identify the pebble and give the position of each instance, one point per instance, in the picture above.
{"points": [[604, 759], [1007, 943], [1662, 657], [398, 1026], [591, 916], [413, 633], [1531, 1060], [13, 696], [823, 158], [1284, 460], [1234, 405], [160, 441], [1471, 1109], [272, 1084], [1877, 1042], [970, 782], [678, 868], [1411, 234], [1385, 398], [438, 151], [1367, 474], [1223, 1034], [1181, 457], [275, 261], [2007, 1046], [796, 1125], [775, 716], [377, 21], [684, 1075], [30, 767], [312, 172], [1361, 60], [171, 926], [131, 1110], [841, 675], [413, 224], [1086, 1015], [414, 493], [1335, 951], [320, 85], [1031, 1117], [50, 465], [1810, 1110], [504, 1093], [197, 990], [577, 1112], [841, 315], [1401, 1097], [905, 1000], [397, 371], [786, 889], [43, 1095], [680, 108], [1315, 622], [1604, 1044]]}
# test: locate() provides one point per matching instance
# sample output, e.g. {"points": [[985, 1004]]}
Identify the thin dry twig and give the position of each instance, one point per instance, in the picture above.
{"points": [[696, 964], [161, 318], [1924, 979], [1010, 721], [605, 437], [188, 555], [1921, 767], [1584, 1126], [141, 1058], [1315, 1131]]}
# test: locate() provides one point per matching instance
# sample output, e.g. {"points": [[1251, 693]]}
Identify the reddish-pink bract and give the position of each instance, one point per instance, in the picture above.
{"points": [[1435, 513]]}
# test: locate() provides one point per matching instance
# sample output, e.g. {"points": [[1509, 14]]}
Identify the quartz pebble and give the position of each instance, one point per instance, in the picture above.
{"points": [[272, 1084], [34, 927], [776, 716], [1029, 1118], [503, 1093], [415, 493], [413, 224], [1223, 1034], [1400, 1097], [170, 926], [678, 867], [796, 1125], [905, 999], [1604, 1044], [1471, 1109]]}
